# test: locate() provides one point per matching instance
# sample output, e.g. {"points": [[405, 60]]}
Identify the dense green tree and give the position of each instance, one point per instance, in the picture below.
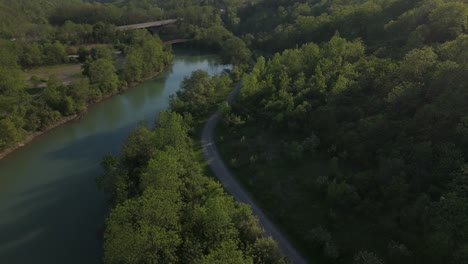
{"points": [[145, 229], [146, 56], [10, 132], [11, 89], [226, 253], [103, 74], [165, 210], [138, 149], [214, 36], [54, 53], [133, 70], [103, 33], [31, 55], [265, 250], [235, 51], [102, 53], [200, 93]]}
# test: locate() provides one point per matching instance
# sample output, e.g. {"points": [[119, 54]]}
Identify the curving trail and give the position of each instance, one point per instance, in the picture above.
{"points": [[234, 188]]}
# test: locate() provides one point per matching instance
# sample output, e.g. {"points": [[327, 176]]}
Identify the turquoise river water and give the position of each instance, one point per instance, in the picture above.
{"points": [[50, 208]]}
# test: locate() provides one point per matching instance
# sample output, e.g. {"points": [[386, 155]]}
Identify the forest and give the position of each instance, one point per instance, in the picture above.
{"points": [[350, 130], [166, 210], [37, 36], [31, 103]]}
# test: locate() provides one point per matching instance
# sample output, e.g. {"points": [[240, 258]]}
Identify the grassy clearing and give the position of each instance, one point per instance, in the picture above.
{"points": [[67, 73]]}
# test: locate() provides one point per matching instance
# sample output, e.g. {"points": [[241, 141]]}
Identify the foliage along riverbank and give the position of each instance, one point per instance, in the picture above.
{"points": [[145, 58], [164, 209], [57, 32], [376, 89], [71, 118]]}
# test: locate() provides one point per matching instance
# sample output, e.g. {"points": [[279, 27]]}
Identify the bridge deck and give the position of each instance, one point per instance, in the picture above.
{"points": [[148, 24], [175, 41]]}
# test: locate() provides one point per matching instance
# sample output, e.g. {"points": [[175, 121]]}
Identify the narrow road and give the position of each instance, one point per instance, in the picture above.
{"points": [[234, 188]]}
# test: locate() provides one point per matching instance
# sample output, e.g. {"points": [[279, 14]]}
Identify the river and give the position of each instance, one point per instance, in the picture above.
{"points": [[50, 208]]}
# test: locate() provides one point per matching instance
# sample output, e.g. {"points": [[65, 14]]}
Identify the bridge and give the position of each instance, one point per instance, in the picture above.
{"points": [[175, 41], [148, 24]]}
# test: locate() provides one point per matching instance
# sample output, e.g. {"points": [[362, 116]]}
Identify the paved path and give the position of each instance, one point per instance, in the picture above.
{"points": [[233, 187]]}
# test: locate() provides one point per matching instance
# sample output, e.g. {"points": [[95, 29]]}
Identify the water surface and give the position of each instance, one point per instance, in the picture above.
{"points": [[50, 208]]}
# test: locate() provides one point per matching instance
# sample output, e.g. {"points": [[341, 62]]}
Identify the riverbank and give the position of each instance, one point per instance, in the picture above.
{"points": [[66, 119], [48, 193]]}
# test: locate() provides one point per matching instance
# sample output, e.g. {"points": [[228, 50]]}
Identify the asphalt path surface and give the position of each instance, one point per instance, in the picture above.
{"points": [[231, 184]]}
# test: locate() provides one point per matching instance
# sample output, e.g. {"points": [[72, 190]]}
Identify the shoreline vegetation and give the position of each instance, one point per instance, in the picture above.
{"points": [[351, 130], [158, 187], [76, 117], [103, 74]]}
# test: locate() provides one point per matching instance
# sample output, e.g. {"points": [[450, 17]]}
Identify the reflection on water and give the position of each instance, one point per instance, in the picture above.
{"points": [[50, 209]]}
